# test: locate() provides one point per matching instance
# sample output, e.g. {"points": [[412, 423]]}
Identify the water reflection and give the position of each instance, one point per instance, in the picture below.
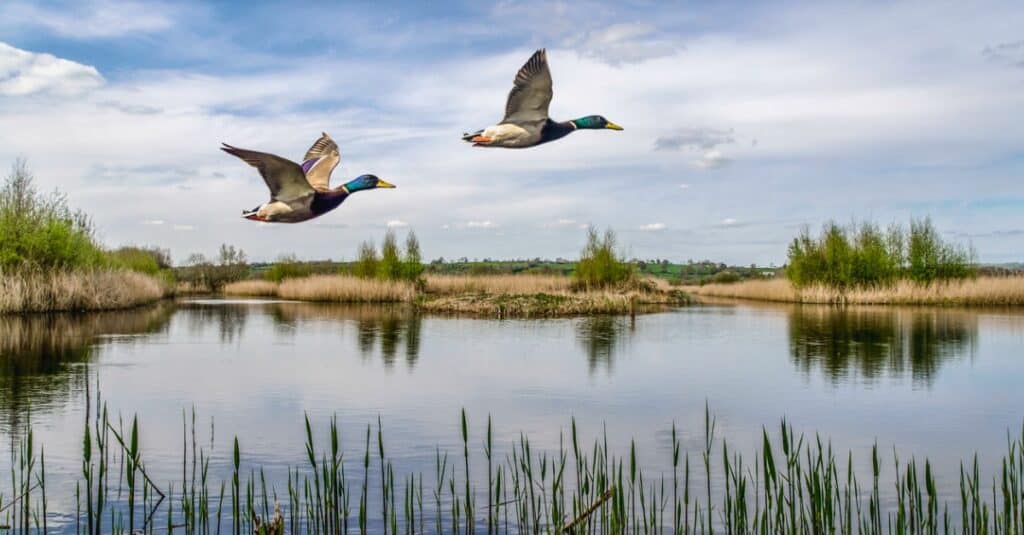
{"points": [[394, 330], [875, 342], [42, 356], [601, 337], [228, 318]]}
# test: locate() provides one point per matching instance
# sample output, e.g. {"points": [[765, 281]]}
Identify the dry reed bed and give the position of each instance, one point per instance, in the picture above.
{"points": [[255, 288], [496, 284], [983, 291], [346, 289], [77, 291]]}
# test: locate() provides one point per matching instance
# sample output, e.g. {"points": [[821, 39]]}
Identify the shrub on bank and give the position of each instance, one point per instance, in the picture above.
{"points": [[600, 265], [287, 267], [39, 231], [865, 257]]}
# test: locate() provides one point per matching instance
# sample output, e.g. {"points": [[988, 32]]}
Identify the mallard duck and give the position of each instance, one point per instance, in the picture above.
{"points": [[301, 192], [526, 122]]}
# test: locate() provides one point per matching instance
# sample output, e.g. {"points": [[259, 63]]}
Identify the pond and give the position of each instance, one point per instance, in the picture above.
{"points": [[941, 383]]}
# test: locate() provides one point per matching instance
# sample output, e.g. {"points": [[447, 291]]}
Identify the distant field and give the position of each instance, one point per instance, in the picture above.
{"points": [[689, 273]]}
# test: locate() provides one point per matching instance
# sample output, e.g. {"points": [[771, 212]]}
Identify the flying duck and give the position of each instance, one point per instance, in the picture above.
{"points": [[526, 122], [301, 192]]}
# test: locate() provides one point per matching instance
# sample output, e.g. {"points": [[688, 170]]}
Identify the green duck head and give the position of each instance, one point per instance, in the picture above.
{"points": [[595, 122], [365, 182]]}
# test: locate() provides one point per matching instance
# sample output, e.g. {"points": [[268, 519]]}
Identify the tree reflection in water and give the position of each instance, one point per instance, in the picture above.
{"points": [[601, 337], [872, 342], [394, 329], [44, 357]]}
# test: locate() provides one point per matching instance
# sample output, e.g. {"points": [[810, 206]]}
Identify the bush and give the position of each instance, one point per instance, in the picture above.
{"points": [[287, 267], [600, 265], [40, 231], [863, 257], [150, 261]]}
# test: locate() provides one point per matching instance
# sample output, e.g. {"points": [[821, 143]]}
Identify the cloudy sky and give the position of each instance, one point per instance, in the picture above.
{"points": [[743, 121]]}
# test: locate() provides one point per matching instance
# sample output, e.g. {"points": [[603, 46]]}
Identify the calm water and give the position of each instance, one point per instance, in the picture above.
{"points": [[936, 382]]}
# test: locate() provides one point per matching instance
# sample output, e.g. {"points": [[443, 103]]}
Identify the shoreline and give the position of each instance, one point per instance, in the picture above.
{"points": [[517, 296], [979, 292]]}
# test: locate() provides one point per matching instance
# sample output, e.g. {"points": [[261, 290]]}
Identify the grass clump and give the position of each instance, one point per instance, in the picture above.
{"points": [[600, 265], [863, 256]]}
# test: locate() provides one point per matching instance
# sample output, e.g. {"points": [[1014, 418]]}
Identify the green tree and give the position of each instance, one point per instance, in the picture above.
{"points": [[413, 263], [390, 267], [367, 263]]}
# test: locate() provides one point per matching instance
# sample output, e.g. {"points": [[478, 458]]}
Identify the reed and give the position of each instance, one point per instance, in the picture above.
{"points": [[253, 287], [36, 291], [447, 285], [790, 484], [983, 291], [346, 289]]}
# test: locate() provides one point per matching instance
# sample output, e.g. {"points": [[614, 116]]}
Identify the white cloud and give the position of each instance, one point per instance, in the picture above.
{"points": [[154, 222], [712, 159], [90, 19], [653, 227], [396, 223], [625, 43], [564, 222], [684, 186], [183, 228], [695, 138], [480, 224], [728, 222], [26, 73]]}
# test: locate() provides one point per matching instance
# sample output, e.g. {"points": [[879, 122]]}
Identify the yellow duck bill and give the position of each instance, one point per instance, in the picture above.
{"points": [[383, 184], [613, 126]]}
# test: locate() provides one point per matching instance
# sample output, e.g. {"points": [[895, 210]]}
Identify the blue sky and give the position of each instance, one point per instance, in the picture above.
{"points": [[743, 121]]}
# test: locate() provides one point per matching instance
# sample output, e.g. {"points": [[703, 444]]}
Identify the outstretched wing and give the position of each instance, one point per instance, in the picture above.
{"points": [[285, 178], [320, 161], [531, 91]]}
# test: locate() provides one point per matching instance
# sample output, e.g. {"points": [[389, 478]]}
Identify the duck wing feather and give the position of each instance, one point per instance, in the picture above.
{"points": [[531, 92], [320, 161], [284, 178]]}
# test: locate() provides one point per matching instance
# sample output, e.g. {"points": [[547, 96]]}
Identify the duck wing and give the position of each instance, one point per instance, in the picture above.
{"points": [[285, 178], [531, 92], [320, 161]]}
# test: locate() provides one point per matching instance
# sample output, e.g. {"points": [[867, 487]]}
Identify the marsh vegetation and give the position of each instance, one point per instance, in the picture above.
{"points": [[50, 259], [791, 484]]}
